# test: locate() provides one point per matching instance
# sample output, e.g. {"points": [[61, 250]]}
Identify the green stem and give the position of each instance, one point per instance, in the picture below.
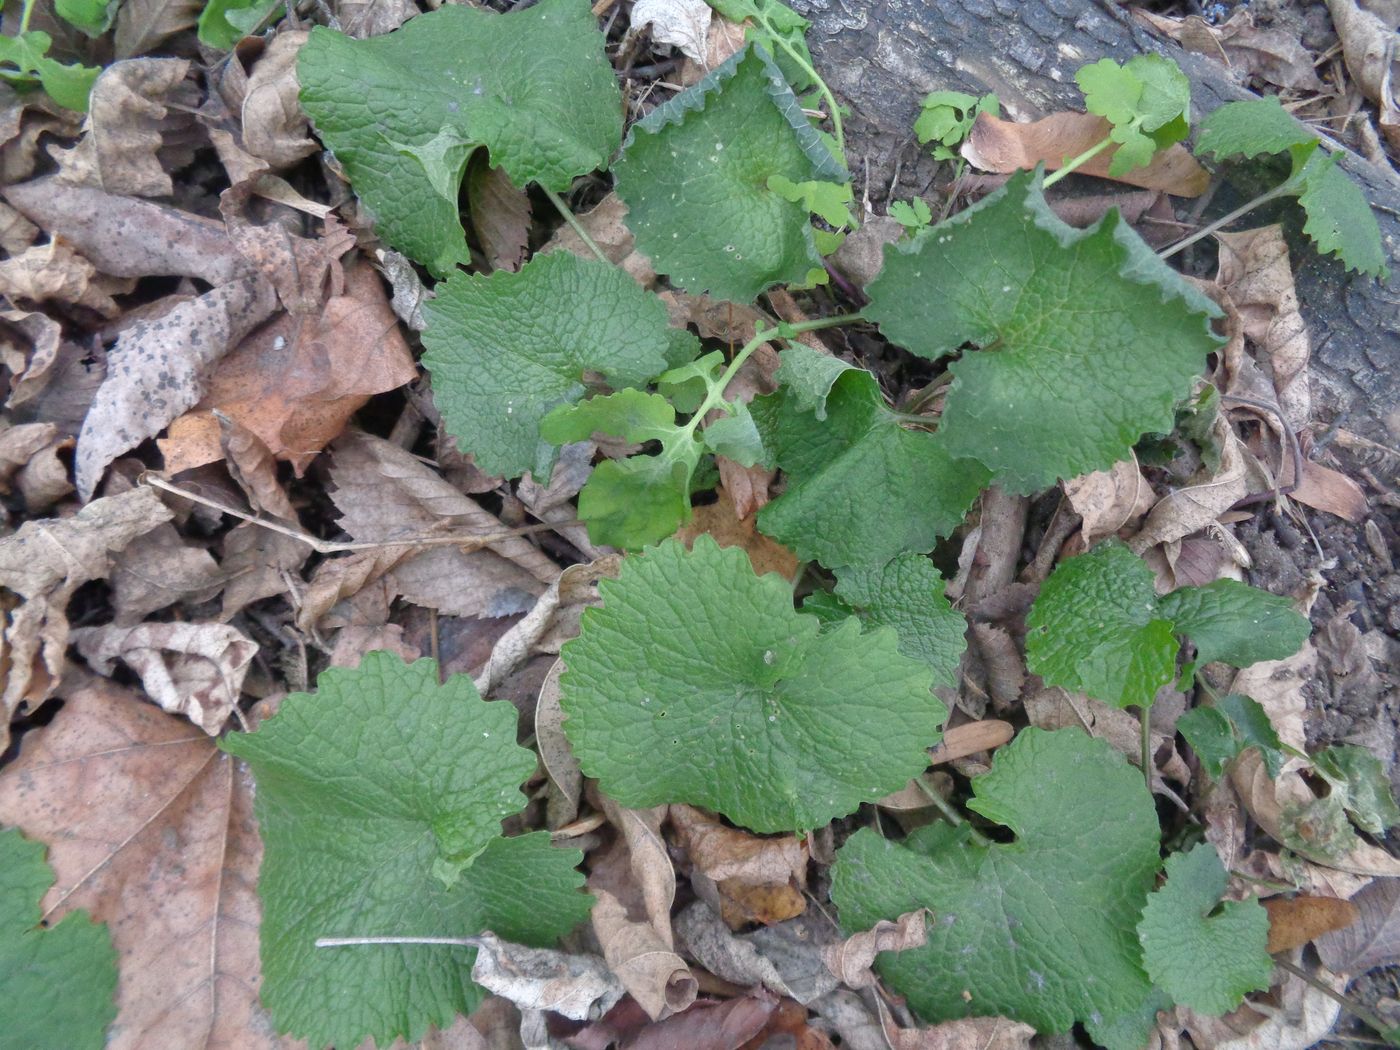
{"points": [[782, 330], [24, 16], [948, 811], [1281, 190], [572, 220], [837, 132], [1077, 162]]}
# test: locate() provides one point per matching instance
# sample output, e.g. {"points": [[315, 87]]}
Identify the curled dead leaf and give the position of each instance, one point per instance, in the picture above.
{"points": [[720, 521], [684, 24], [759, 879], [651, 972], [577, 986], [1373, 937], [1109, 500], [29, 464], [42, 565], [190, 669], [134, 105], [1274, 55], [1004, 146], [275, 128], [55, 273], [851, 959]]}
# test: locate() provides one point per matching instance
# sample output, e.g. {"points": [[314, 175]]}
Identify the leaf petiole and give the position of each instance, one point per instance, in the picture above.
{"points": [[1283, 189], [573, 222], [1074, 163]]}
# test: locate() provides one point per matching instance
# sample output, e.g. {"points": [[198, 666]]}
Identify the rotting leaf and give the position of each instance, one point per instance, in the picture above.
{"points": [[1374, 939], [159, 369]]}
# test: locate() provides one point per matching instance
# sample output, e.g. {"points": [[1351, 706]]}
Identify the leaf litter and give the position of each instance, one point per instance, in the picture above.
{"points": [[252, 343]]}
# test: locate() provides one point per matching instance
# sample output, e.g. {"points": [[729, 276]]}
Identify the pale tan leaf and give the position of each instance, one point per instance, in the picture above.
{"points": [[1274, 55], [16, 232], [1056, 708], [29, 463], [577, 986], [55, 273], [125, 128], [706, 938], [684, 24], [1368, 46], [968, 1033], [560, 765], [258, 564], [1201, 501], [354, 640], [150, 829], [1004, 146], [1325, 489], [363, 19], [724, 38], [190, 669], [337, 579], [159, 369], [851, 959], [652, 973], [724, 852], [1109, 500], [158, 569], [29, 348], [43, 564], [275, 128], [606, 223], [126, 237], [648, 860], [144, 24]]}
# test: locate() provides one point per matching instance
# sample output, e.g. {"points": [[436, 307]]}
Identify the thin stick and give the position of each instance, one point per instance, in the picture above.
{"points": [[1371, 1020], [469, 542], [572, 220], [1224, 220], [351, 942]]}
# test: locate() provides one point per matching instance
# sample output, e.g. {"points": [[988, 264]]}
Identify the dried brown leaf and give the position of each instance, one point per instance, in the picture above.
{"points": [[1004, 146], [275, 128], [971, 738], [968, 1033], [1368, 47], [29, 464], [558, 759], [190, 669], [16, 232], [304, 270], [720, 521], [705, 937], [150, 829], [727, 1025], [251, 464], [648, 860], [724, 38], [851, 959], [258, 564], [1109, 500], [646, 965], [577, 986], [722, 852], [1295, 921], [1056, 708], [500, 213], [43, 564], [1373, 939], [1201, 501], [1325, 489], [297, 383], [606, 223], [362, 19], [159, 569], [126, 125], [1274, 55], [126, 237], [55, 273], [684, 24], [29, 349], [159, 369], [144, 24], [343, 578], [552, 620]]}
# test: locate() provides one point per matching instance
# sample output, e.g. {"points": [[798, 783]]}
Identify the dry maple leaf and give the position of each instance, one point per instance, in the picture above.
{"points": [[150, 829]]}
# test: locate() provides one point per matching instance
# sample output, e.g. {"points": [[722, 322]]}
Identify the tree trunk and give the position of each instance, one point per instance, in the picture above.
{"points": [[882, 56]]}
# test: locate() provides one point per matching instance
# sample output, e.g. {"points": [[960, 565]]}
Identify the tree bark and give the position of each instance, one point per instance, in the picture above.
{"points": [[882, 56]]}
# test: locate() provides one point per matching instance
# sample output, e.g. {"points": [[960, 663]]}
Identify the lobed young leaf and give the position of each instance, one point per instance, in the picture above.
{"points": [[1339, 219], [695, 175], [1098, 627], [401, 112], [1147, 100], [504, 350], [68, 84], [906, 594], [380, 800], [1040, 929], [1221, 733], [1203, 953], [59, 980], [698, 682], [944, 120], [1086, 339], [861, 486]]}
